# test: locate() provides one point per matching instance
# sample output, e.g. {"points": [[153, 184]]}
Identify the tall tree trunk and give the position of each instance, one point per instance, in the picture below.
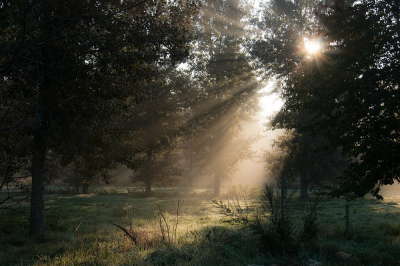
{"points": [[37, 219], [148, 178], [217, 183], [41, 131]]}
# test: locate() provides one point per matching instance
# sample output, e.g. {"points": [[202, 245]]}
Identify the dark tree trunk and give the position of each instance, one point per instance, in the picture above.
{"points": [[41, 131], [148, 178], [217, 183], [85, 188], [37, 219]]}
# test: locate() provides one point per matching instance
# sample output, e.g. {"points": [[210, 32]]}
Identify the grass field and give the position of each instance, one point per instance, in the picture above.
{"points": [[190, 230]]}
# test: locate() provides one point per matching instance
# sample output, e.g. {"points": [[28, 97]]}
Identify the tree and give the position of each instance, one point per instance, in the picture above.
{"points": [[156, 121], [225, 89], [75, 65], [284, 28], [287, 27], [351, 93]]}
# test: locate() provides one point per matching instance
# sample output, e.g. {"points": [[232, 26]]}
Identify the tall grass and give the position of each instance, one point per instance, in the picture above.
{"points": [[80, 232]]}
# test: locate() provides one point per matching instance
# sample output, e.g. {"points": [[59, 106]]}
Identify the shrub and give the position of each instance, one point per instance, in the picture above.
{"points": [[310, 219], [283, 233]]}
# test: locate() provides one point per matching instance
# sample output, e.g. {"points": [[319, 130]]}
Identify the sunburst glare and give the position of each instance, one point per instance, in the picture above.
{"points": [[312, 47]]}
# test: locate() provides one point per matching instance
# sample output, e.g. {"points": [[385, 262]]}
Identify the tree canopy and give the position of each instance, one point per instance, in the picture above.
{"points": [[70, 69], [350, 89]]}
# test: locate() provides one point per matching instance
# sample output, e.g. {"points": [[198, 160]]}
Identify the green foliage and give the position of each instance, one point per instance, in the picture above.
{"points": [[171, 256], [213, 246]]}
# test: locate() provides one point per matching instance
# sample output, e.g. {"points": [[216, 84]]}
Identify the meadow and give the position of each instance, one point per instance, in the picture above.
{"points": [[120, 226]]}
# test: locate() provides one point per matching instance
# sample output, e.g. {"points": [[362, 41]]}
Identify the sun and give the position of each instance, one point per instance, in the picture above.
{"points": [[312, 46]]}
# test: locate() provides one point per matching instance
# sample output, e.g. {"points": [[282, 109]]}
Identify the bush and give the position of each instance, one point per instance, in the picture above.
{"points": [[283, 233], [310, 219]]}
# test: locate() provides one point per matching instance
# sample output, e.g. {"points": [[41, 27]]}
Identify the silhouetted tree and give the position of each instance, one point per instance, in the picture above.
{"points": [[75, 65], [286, 27], [351, 92]]}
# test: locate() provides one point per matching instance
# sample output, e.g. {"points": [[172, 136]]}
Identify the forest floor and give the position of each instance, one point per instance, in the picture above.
{"points": [[185, 227]]}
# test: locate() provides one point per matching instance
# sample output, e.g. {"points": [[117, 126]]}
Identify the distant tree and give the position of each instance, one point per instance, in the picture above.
{"points": [[158, 167], [156, 121], [67, 67], [225, 87], [351, 91]]}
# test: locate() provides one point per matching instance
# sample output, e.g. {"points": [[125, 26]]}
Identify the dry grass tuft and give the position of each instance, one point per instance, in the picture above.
{"points": [[147, 238]]}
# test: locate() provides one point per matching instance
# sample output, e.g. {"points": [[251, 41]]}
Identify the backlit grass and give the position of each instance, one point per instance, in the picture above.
{"points": [[80, 232]]}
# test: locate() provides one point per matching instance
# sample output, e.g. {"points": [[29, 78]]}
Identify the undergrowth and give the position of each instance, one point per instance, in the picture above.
{"points": [[196, 231]]}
